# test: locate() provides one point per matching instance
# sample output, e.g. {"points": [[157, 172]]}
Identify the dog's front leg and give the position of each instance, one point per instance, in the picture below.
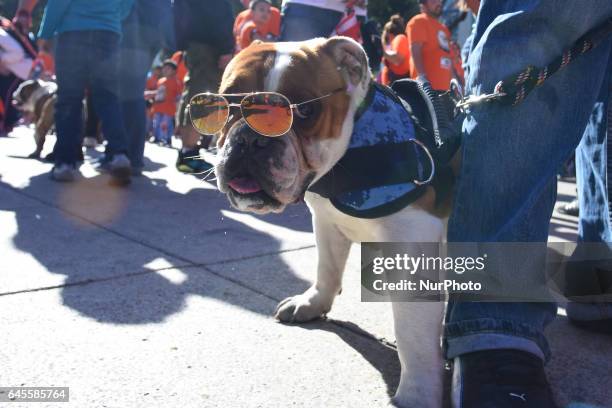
{"points": [[333, 248], [418, 328]]}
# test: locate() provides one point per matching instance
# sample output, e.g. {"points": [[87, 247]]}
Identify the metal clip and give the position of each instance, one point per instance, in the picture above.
{"points": [[477, 99]]}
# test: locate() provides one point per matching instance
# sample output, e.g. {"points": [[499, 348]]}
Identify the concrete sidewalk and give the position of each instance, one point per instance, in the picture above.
{"points": [[161, 295]]}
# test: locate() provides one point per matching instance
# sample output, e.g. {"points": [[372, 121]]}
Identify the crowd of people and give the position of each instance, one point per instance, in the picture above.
{"points": [[197, 44], [107, 47]]}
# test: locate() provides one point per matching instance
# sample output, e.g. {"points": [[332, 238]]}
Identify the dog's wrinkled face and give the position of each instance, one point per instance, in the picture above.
{"points": [[24, 92], [263, 174]]}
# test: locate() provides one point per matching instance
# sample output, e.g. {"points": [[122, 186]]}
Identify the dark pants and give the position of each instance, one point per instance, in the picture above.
{"points": [[145, 31], [87, 59], [8, 84]]}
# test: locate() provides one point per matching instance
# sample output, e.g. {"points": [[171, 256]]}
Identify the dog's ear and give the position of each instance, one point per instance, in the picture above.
{"points": [[350, 59]]}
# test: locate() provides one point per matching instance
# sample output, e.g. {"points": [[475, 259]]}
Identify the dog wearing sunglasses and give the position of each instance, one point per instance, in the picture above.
{"points": [[263, 174]]}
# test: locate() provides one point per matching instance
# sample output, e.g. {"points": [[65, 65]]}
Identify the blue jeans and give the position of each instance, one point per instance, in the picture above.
{"points": [[147, 28], [87, 59], [507, 186], [163, 127], [301, 22], [594, 184], [594, 180]]}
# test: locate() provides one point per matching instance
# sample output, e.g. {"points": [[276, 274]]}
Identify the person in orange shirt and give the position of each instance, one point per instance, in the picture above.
{"points": [[181, 69], [396, 51], [430, 46], [169, 90], [271, 28], [45, 58], [150, 90]]}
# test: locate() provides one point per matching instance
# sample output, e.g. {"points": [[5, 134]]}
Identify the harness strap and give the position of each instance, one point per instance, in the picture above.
{"points": [[387, 164]]}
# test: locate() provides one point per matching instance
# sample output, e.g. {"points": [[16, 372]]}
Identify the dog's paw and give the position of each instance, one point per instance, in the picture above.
{"points": [[310, 305], [34, 155]]}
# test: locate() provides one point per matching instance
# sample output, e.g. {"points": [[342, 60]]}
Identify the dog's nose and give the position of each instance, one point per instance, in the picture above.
{"points": [[248, 138]]}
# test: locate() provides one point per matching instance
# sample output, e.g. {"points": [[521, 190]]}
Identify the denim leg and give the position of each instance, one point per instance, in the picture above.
{"points": [[157, 127], [104, 85], [134, 65], [170, 128], [71, 66], [301, 22], [141, 39], [506, 189], [591, 169], [594, 178]]}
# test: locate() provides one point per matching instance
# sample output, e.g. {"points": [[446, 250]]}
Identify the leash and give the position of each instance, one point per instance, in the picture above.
{"points": [[514, 89]]}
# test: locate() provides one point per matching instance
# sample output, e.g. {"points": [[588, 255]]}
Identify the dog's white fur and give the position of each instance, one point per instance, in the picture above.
{"points": [[417, 325]]}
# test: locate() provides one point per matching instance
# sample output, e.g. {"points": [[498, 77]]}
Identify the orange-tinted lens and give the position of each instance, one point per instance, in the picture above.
{"points": [[208, 113], [268, 113]]}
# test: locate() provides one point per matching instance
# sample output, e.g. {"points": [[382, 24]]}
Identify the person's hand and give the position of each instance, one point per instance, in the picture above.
{"points": [[224, 60]]}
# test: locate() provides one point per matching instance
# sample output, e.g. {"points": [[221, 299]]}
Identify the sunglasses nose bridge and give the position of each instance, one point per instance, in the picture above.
{"points": [[247, 137]]}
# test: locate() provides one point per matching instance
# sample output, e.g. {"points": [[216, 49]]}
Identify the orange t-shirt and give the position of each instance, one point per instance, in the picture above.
{"points": [[273, 24], [168, 93], [437, 58], [246, 34], [399, 45], [181, 68]]}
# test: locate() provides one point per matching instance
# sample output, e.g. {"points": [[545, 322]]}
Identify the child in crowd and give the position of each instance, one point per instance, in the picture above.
{"points": [[45, 59], [168, 92], [257, 27], [181, 68], [150, 89]]}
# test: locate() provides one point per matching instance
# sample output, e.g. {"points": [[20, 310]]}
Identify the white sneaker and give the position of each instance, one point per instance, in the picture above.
{"points": [[120, 169], [90, 142], [63, 172]]}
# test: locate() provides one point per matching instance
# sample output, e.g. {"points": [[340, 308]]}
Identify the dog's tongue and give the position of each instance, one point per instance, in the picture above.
{"points": [[245, 185]]}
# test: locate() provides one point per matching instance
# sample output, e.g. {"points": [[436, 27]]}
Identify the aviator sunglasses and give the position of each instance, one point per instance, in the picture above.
{"points": [[267, 113]]}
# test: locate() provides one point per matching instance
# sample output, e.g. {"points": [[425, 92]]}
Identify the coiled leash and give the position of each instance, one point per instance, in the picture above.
{"points": [[514, 89]]}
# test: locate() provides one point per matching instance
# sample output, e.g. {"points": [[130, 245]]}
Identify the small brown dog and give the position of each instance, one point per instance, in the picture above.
{"points": [[36, 98]]}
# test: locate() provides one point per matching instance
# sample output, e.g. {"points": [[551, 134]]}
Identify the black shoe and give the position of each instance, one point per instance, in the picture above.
{"points": [[500, 379], [588, 316], [572, 208], [190, 162]]}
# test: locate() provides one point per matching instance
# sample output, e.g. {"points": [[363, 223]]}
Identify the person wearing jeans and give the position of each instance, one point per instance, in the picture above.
{"points": [[507, 187], [594, 181], [147, 28], [87, 56]]}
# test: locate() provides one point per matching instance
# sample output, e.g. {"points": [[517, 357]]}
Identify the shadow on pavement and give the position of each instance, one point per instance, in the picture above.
{"points": [[146, 230], [383, 358]]}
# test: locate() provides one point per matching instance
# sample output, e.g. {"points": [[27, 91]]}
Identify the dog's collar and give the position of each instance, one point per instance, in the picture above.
{"points": [[46, 89]]}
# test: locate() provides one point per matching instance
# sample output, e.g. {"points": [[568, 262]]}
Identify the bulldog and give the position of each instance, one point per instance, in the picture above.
{"points": [[36, 99], [334, 101]]}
